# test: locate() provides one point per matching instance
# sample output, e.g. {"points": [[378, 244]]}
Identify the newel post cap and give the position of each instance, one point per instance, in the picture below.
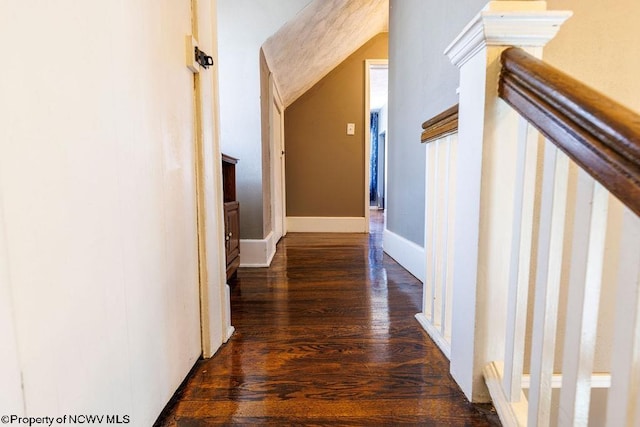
{"points": [[507, 23]]}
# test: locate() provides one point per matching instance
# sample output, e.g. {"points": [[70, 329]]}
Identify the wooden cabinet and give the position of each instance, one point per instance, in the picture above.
{"points": [[231, 215]]}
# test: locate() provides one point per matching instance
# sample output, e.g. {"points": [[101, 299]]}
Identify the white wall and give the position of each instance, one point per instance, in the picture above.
{"points": [[97, 186], [243, 26], [10, 392]]}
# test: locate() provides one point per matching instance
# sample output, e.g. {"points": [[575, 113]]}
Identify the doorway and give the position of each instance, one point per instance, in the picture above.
{"points": [[376, 94]]}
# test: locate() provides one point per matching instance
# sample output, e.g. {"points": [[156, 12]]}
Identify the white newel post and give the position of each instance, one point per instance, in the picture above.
{"points": [[487, 150]]}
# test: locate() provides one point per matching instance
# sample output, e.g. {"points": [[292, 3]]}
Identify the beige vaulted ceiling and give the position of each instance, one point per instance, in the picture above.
{"points": [[320, 37]]}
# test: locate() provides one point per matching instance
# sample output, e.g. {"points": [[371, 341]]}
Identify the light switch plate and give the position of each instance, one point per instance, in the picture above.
{"points": [[351, 128]]}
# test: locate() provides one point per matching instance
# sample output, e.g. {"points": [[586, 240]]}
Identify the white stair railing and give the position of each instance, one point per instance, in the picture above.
{"points": [[579, 244], [485, 180], [441, 137], [546, 235]]}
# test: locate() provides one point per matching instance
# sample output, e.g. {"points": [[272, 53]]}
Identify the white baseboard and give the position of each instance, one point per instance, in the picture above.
{"points": [[230, 329], [406, 253], [313, 224], [515, 413], [257, 252], [435, 334], [510, 413]]}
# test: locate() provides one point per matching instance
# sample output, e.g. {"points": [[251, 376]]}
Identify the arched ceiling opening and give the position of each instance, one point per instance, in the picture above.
{"points": [[320, 37]]}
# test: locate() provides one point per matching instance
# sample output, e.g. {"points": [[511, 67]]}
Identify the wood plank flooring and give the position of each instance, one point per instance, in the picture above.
{"points": [[325, 336]]}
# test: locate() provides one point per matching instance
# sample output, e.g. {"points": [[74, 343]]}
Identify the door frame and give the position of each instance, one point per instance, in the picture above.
{"points": [[215, 302], [277, 159], [382, 159], [369, 64]]}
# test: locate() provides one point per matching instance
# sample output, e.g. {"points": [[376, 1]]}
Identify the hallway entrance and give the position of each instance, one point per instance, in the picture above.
{"points": [[325, 335]]}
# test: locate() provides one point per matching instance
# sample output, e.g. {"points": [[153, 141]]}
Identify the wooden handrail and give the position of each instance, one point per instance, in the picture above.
{"points": [[599, 134], [440, 125]]}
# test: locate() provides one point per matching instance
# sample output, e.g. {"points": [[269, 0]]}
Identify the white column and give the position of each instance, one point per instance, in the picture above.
{"points": [[488, 130]]}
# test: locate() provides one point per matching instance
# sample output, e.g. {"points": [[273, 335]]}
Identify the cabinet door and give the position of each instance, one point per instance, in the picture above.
{"points": [[232, 236], [232, 218]]}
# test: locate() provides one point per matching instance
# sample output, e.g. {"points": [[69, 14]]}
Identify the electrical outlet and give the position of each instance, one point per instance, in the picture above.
{"points": [[351, 128]]}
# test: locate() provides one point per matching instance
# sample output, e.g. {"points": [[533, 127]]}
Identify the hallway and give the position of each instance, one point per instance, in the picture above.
{"points": [[326, 335]]}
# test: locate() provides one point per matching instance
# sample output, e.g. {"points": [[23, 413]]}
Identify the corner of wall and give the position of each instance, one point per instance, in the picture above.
{"points": [[265, 101], [257, 252]]}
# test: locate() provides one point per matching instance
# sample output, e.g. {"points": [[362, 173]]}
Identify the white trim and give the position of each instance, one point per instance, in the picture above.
{"points": [[515, 413], [600, 380], [276, 159], [214, 307], [435, 334], [276, 92], [257, 252], [510, 413], [494, 27], [406, 253], [312, 224], [230, 329]]}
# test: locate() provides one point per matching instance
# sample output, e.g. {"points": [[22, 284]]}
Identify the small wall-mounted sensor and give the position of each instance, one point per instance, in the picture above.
{"points": [[351, 128]]}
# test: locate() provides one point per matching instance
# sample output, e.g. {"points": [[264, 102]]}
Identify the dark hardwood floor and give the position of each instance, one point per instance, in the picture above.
{"points": [[325, 336]]}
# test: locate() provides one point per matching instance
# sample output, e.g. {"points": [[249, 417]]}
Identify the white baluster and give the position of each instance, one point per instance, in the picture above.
{"points": [[440, 260], [451, 208], [445, 237], [521, 253], [435, 311], [550, 250], [426, 289], [585, 283], [623, 403]]}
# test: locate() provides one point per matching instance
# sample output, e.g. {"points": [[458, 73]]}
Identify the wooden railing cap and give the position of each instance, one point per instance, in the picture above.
{"points": [[599, 134], [440, 125]]}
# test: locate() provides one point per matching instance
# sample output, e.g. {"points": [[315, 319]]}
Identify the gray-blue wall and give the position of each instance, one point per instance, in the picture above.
{"points": [[422, 83]]}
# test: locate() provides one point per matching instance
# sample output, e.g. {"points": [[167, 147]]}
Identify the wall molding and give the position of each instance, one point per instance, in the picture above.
{"points": [[495, 26], [312, 224], [435, 334], [510, 413], [406, 253], [257, 252]]}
